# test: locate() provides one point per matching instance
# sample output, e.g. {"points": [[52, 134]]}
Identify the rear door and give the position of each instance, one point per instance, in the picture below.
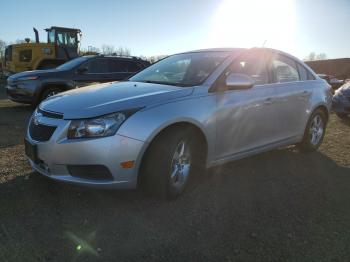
{"points": [[118, 69], [122, 69], [293, 92]]}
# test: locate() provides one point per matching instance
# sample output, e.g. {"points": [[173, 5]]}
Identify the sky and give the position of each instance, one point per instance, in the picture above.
{"points": [[162, 27]]}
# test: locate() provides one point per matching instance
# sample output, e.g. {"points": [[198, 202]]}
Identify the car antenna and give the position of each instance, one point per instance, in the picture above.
{"points": [[263, 45]]}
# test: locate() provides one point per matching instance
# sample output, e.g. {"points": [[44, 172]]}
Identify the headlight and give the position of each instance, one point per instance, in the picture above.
{"points": [[339, 93], [27, 78], [98, 127]]}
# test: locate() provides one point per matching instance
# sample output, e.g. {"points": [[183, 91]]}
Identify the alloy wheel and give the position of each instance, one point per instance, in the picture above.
{"points": [[316, 130], [180, 165]]}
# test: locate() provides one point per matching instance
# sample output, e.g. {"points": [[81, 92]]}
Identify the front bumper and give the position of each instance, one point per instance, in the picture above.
{"points": [[22, 92], [341, 104], [59, 153]]}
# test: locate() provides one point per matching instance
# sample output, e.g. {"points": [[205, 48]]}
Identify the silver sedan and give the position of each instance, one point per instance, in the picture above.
{"points": [[187, 112]]}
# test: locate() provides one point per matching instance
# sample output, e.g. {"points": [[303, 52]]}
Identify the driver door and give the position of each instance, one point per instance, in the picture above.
{"points": [[95, 71], [246, 119]]}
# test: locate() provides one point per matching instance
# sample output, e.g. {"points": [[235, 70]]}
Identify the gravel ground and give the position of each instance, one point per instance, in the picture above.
{"points": [[277, 206]]}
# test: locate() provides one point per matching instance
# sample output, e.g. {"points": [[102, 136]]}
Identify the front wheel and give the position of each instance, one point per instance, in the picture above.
{"points": [[315, 131], [169, 163], [49, 92]]}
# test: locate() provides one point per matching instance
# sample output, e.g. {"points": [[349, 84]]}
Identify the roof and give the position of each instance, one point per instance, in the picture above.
{"points": [[62, 28], [116, 57], [239, 50], [218, 50]]}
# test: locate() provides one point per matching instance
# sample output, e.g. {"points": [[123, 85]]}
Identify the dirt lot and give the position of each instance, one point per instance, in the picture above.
{"points": [[278, 206]]}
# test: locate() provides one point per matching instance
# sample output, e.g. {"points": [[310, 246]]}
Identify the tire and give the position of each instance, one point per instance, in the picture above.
{"points": [[49, 92], [170, 162], [314, 132], [342, 116]]}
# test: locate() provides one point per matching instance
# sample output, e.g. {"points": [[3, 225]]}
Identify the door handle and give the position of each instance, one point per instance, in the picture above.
{"points": [[268, 101]]}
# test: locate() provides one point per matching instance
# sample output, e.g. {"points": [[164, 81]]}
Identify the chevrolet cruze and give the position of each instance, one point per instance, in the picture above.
{"points": [[189, 111]]}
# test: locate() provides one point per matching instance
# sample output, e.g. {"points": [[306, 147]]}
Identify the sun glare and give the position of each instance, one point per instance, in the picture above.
{"points": [[249, 23]]}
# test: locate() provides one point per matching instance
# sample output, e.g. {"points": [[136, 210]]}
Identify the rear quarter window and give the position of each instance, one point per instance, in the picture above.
{"points": [[304, 73]]}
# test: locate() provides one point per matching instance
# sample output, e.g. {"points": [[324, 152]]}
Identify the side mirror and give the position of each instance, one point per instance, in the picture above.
{"points": [[82, 70], [334, 81], [239, 81]]}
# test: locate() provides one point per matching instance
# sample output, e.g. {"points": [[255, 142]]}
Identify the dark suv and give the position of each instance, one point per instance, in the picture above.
{"points": [[31, 87]]}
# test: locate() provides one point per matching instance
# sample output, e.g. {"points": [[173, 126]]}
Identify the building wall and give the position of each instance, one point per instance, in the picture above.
{"points": [[339, 68]]}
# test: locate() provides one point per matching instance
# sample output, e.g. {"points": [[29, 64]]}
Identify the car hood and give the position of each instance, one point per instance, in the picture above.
{"points": [[344, 89], [97, 100], [39, 73]]}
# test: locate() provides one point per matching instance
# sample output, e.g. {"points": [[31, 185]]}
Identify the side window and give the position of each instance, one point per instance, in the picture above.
{"points": [[284, 70], [124, 66], [8, 53], [97, 66], [25, 55], [51, 37], [117, 66], [302, 73], [71, 39], [251, 65], [310, 76], [134, 67], [61, 40]]}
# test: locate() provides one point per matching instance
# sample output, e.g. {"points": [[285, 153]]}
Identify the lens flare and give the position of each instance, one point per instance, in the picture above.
{"points": [[251, 23]]}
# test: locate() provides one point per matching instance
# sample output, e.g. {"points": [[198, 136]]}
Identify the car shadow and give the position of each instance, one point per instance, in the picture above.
{"points": [[278, 199]]}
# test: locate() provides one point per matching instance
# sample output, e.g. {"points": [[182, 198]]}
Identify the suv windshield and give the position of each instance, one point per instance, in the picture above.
{"points": [[73, 63], [189, 69]]}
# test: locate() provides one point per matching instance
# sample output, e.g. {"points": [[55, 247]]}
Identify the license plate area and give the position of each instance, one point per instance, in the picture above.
{"points": [[31, 151]]}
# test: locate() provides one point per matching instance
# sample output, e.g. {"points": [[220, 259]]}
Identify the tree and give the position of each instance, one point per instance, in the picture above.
{"points": [[313, 56], [321, 56], [156, 58], [2, 48], [107, 49], [122, 51]]}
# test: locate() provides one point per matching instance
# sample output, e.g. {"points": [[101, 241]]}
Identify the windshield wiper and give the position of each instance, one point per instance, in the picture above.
{"points": [[163, 83]]}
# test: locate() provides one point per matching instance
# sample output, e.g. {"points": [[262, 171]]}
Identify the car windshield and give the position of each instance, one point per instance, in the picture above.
{"points": [[189, 69], [73, 63]]}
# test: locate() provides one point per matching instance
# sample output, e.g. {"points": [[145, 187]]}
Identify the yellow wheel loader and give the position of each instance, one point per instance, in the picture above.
{"points": [[62, 45]]}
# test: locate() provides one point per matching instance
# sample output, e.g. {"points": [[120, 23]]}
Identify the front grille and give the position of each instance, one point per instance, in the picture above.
{"points": [[41, 132], [91, 172], [50, 114]]}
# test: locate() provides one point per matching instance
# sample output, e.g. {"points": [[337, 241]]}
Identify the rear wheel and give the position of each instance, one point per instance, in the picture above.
{"points": [[315, 131], [169, 163]]}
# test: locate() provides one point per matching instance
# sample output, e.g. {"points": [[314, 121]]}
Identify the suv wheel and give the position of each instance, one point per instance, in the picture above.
{"points": [[169, 163], [49, 92], [315, 131]]}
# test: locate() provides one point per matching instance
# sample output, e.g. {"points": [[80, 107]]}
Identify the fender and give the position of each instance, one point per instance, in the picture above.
{"points": [[64, 85], [146, 124]]}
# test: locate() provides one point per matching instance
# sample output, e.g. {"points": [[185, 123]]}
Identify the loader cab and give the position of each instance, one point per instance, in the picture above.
{"points": [[66, 41]]}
